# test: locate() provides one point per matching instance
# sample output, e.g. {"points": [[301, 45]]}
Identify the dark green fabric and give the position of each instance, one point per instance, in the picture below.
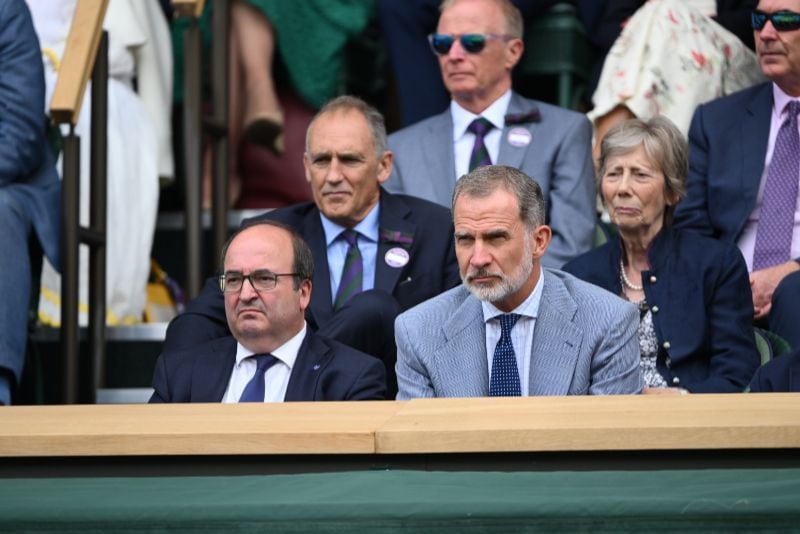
{"points": [[599, 501]]}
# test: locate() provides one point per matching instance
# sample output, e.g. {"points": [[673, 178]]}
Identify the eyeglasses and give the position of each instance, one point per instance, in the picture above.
{"points": [[471, 42], [783, 21], [261, 280]]}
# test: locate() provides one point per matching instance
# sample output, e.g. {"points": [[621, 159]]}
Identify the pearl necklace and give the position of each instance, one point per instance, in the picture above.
{"points": [[627, 283]]}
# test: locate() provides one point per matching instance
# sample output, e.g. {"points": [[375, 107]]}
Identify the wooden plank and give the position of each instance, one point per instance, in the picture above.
{"points": [[78, 61], [193, 429], [644, 422], [188, 8]]}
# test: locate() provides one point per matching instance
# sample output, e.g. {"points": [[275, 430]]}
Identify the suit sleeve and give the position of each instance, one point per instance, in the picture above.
{"points": [[412, 378], [571, 204], [733, 353], [615, 364], [22, 116], [203, 320], [370, 384], [691, 213], [160, 382]]}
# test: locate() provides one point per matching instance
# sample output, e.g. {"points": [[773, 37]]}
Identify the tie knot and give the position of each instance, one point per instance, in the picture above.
{"points": [[351, 236], [263, 361], [480, 126], [792, 109], [507, 322]]}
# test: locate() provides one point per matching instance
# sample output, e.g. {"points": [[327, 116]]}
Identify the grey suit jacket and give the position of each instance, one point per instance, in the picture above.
{"points": [[584, 342], [558, 158]]}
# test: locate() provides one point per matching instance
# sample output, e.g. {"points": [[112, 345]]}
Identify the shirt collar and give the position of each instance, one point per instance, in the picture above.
{"points": [[287, 353], [780, 100], [368, 227], [496, 113], [528, 308]]}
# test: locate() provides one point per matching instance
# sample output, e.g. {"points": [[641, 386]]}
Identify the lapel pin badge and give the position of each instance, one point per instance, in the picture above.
{"points": [[396, 257], [519, 137]]}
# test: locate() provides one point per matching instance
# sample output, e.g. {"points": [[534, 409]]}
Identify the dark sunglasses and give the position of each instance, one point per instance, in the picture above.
{"points": [[471, 42], [783, 21]]}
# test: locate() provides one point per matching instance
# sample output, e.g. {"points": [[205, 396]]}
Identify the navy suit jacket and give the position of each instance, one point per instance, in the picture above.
{"points": [[699, 292], [727, 148], [325, 370], [780, 374], [432, 267]]}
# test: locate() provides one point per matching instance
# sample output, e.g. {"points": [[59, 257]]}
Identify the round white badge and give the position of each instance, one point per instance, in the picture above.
{"points": [[519, 137], [396, 257]]}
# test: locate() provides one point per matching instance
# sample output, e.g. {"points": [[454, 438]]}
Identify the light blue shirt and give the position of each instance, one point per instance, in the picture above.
{"points": [[367, 240], [521, 334], [463, 141]]}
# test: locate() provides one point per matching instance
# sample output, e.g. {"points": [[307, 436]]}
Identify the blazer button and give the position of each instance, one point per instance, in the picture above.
{"points": [[666, 345], [655, 309], [668, 362], [653, 279], [676, 380]]}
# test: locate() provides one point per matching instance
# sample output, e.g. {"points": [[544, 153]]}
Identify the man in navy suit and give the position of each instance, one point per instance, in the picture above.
{"points": [[406, 243], [732, 147], [272, 356]]}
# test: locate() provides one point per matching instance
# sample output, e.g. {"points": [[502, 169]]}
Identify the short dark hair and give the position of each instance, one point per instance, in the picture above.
{"points": [[377, 126], [302, 261], [484, 181]]}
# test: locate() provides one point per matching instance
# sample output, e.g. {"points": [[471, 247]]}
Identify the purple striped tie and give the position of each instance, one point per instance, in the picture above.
{"points": [[352, 272], [480, 154], [776, 222]]}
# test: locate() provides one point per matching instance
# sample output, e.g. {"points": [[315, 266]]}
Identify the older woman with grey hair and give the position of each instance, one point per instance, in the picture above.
{"points": [[693, 292]]}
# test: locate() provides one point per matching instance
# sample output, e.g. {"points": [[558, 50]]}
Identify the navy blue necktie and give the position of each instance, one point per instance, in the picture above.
{"points": [[504, 380], [254, 390]]}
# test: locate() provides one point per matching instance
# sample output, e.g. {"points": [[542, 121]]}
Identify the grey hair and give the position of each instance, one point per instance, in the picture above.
{"points": [[302, 261], [664, 145], [513, 17], [484, 181], [377, 126]]}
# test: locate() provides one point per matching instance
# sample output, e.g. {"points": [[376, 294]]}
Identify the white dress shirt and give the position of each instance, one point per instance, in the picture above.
{"points": [[747, 241], [463, 141], [276, 379], [521, 334]]}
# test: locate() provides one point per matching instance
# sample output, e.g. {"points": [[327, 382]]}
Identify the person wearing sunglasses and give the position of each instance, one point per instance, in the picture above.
{"points": [[271, 355], [478, 43], [745, 169]]}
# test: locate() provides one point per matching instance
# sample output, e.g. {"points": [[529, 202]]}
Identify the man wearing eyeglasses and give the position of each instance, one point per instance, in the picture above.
{"points": [[271, 354], [478, 43], [377, 253], [745, 169]]}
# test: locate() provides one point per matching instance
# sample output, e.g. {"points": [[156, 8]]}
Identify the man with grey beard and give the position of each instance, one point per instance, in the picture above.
{"points": [[514, 328]]}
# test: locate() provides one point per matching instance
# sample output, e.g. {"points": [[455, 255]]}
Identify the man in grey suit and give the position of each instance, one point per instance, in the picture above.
{"points": [[478, 43], [514, 328]]}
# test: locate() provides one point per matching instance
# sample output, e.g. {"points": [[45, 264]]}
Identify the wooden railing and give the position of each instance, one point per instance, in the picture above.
{"points": [[86, 54]]}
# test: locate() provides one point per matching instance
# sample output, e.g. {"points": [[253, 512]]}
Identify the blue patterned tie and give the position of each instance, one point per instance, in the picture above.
{"points": [[776, 222], [254, 390], [352, 272], [480, 154], [504, 380]]}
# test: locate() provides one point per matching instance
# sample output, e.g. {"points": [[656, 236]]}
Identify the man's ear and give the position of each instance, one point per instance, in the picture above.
{"points": [[541, 239], [514, 50], [306, 165], [385, 166]]}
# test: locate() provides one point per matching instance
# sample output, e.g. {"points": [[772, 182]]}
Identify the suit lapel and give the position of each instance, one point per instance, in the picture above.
{"points": [[392, 217], [753, 139], [312, 358], [321, 305], [513, 155], [212, 371], [462, 362], [438, 162], [556, 341]]}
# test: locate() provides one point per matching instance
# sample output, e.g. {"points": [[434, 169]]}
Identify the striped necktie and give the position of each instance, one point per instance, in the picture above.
{"points": [[352, 272], [776, 221], [480, 154], [504, 380]]}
